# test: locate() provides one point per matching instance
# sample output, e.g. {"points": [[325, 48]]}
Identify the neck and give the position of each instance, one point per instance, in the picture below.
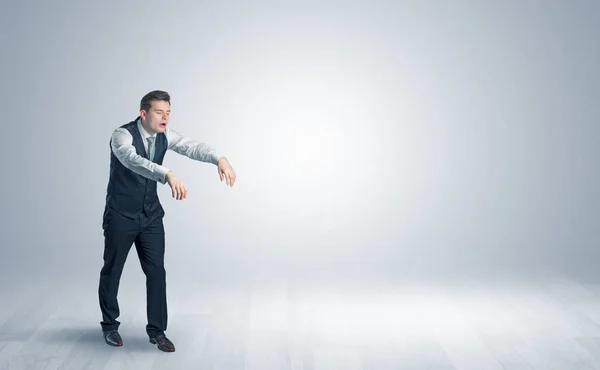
{"points": [[146, 128]]}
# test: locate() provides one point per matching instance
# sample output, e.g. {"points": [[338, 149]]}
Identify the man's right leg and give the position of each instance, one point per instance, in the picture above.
{"points": [[119, 235]]}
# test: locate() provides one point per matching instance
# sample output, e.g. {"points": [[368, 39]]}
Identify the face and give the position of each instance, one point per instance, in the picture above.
{"points": [[157, 118]]}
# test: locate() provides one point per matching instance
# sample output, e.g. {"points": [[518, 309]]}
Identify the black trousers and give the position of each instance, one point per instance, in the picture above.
{"points": [[148, 235]]}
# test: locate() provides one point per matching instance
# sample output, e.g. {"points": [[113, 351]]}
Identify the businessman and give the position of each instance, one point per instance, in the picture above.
{"points": [[133, 214]]}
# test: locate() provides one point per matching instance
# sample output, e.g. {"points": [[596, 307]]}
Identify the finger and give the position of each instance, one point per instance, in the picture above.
{"points": [[221, 174], [185, 191]]}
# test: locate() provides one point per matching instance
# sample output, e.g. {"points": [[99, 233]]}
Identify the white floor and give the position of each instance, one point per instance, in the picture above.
{"points": [[272, 323]]}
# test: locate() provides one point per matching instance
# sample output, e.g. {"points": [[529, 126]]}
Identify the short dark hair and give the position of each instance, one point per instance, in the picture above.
{"points": [[146, 102]]}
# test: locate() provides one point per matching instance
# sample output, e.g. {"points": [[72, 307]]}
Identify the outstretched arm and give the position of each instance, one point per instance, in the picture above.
{"points": [[122, 147], [200, 151], [191, 148]]}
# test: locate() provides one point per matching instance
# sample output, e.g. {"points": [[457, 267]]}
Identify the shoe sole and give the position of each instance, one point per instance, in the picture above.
{"points": [[113, 344], [161, 348]]}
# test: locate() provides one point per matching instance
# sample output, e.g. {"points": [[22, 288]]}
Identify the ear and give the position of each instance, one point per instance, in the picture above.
{"points": [[143, 114]]}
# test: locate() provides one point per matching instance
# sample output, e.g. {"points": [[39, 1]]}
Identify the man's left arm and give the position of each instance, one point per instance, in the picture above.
{"points": [[200, 151]]}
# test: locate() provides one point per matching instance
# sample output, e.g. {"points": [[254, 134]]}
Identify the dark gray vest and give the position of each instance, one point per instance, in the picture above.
{"points": [[129, 193]]}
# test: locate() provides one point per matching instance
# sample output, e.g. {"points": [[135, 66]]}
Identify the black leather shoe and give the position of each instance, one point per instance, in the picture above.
{"points": [[112, 338], [164, 344]]}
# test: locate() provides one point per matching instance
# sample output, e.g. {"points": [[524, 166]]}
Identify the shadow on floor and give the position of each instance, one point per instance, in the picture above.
{"points": [[91, 338]]}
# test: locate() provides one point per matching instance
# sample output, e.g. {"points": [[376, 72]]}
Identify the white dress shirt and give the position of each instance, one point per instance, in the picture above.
{"points": [[123, 149]]}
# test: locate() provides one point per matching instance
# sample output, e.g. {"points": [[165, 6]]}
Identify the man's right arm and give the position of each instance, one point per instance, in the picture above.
{"points": [[122, 147]]}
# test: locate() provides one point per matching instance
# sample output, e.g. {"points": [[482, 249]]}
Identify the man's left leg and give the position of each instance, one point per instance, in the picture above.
{"points": [[150, 246]]}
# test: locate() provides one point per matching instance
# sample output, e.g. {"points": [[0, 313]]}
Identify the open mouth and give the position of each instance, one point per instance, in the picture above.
{"points": [[163, 124]]}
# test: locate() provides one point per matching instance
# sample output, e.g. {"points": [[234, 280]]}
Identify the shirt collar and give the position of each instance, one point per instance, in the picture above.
{"points": [[142, 130]]}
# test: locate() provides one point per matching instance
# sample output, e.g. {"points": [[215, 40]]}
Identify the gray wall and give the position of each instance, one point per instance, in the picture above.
{"points": [[389, 136]]}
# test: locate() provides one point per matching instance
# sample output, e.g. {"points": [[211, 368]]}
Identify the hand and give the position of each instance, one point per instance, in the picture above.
{"points": [[226, 171], [177, 186]]}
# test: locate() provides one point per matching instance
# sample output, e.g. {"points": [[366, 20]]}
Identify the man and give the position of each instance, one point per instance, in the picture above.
{"points": [[133, 213]]}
